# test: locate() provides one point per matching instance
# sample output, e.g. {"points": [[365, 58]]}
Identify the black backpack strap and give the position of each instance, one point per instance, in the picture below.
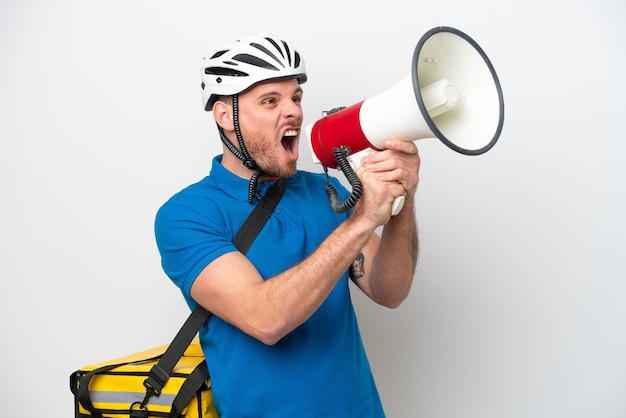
{"points": [[259, 216], [160, 372], [189, 388]]}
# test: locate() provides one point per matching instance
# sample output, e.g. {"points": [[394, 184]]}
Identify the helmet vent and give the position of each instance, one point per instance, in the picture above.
{"points": [[256, 61], [219, 54], [288, 52], [269, 53], [297, 60], [224, 71], [273, 42]]}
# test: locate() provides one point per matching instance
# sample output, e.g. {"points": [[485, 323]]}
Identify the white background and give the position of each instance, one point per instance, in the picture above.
{"points": [[518, 305]]}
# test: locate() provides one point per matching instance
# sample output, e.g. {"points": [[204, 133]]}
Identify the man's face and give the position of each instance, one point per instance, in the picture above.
{"points": [[270, 116]]}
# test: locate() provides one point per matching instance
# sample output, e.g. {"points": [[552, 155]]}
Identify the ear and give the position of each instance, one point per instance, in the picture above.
{"points": [[223, 115]]}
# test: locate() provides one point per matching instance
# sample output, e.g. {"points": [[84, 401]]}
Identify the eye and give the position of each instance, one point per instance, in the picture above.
{"points": [[268, 101], [297, 99]]}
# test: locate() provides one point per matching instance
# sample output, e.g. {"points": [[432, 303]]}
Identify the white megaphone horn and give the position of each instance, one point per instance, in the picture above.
{"points": [[452, 93]]}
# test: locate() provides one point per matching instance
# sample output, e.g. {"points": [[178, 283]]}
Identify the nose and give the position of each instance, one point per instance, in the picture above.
{"points": [[293, 110]]}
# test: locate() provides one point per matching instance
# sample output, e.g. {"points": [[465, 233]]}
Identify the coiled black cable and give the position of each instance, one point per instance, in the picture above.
{"points": [[341, 156]]}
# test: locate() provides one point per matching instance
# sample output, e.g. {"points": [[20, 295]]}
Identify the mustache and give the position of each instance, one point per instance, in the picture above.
{"points": [[296, 124]]}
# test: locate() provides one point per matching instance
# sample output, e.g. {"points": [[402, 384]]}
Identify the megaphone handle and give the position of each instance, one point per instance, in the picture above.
{"points": [[398, 204], [355, 163]]}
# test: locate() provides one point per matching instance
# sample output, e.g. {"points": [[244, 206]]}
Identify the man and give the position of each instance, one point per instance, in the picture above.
{"points": [[284, 340]]}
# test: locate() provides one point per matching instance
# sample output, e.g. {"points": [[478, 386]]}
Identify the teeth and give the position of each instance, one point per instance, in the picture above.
{"points": [[291, 132]]}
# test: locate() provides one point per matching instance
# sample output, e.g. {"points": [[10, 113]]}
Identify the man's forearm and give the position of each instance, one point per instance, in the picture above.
{"points": [[395, 262], [300, 290]]}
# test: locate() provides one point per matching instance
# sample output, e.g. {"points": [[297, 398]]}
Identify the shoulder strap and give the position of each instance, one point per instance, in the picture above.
{"points": [[160, 372]]}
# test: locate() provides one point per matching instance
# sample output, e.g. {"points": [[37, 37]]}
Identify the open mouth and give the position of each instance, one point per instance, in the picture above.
{"points": [[290, 141]]}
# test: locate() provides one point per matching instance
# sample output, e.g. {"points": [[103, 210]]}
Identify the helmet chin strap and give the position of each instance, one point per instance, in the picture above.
{"points": [[243, 155]]}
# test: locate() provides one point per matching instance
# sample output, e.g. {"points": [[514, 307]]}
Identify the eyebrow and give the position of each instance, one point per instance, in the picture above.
{"points": [[273, 92]]}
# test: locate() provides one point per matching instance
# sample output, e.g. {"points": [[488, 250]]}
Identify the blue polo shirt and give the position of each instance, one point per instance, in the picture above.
{"points": [[318, 370]]}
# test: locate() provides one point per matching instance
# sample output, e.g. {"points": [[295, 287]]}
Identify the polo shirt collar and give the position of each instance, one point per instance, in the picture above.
{"points": [[232, 184]]}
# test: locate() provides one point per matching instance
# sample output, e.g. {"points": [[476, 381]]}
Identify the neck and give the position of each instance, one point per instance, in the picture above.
{"points": [[235, 166]]}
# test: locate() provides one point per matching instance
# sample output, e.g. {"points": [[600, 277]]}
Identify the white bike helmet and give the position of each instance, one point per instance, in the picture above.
{"points": [[245, 62]]}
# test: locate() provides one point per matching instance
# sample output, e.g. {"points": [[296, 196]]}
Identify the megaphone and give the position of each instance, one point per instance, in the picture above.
{"points": [[452, 93]]}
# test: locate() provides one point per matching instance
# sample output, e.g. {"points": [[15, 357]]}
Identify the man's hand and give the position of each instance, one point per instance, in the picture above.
{"points": [[388, 174]]}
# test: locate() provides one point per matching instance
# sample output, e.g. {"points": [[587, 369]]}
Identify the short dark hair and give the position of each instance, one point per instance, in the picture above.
{"points": [[225, 99]]}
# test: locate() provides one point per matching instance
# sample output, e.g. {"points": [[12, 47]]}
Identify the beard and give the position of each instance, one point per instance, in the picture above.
{"points": [[268, 158], [287, 171], [271, 167]]}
